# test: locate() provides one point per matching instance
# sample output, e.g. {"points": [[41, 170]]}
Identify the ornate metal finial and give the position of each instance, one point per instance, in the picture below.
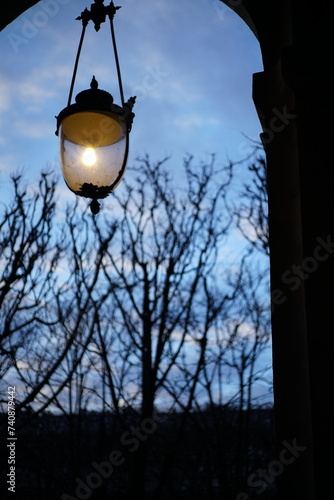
{"points": [[94, 207], [94, 83], [97, 13]]}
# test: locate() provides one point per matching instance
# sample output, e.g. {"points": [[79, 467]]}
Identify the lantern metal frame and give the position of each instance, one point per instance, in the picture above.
{"points": [[99, 101]]}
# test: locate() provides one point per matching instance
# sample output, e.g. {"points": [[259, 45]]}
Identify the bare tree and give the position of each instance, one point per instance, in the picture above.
{"points": [[250, 206], [28, 259], [156, 271], [131, 312]]}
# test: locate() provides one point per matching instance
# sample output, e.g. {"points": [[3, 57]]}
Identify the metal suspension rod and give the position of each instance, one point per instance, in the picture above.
{"points": [[116, 60], [76, 63]]}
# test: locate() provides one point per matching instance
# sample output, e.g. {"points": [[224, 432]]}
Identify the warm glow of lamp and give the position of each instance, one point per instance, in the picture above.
{"points": [[89, 157], [93, 143]]}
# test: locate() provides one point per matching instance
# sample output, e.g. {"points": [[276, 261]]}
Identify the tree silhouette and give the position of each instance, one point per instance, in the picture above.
{"points": [[251, 206], [135, 314], [28, 261]]}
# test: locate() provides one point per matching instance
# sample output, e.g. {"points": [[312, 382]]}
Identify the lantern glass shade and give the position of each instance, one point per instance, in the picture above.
{"points": [[93, 150]]}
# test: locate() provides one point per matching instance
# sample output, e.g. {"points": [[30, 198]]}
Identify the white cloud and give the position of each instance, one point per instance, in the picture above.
{"points": [[195, 120], [33, 129], [183, 60], [33, 90], [4, 96]]}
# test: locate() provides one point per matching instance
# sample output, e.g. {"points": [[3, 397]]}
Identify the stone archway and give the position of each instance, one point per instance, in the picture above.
{"points": [[293, 97], [12, 10]]}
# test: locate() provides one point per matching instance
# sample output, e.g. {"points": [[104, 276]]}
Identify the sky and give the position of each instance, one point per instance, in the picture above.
{"points": [[189, 62]]}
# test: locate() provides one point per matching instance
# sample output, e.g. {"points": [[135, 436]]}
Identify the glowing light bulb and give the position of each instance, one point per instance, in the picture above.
{"points": [[89, 157]]}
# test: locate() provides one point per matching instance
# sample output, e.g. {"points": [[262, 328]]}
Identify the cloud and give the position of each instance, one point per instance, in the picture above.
{"points": [[189, 65], [195, 120], [8, 162], [33, 129], [4, 96], [33, 92]]}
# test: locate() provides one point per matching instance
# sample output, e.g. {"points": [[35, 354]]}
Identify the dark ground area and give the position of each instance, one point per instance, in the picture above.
{"points": [[215, 454]]}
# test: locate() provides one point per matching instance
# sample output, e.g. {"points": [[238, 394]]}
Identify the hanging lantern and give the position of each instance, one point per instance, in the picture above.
{"points": [[94, 131]]}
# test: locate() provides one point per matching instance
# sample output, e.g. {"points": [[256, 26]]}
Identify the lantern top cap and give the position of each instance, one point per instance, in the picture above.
{"points": [[94, 97]]}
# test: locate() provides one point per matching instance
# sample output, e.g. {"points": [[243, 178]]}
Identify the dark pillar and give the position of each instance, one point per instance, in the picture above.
{"points": [[274, 101], [314, 86], [298, 80]]}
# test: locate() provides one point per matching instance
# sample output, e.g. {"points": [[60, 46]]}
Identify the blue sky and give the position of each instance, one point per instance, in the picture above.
{"points": [[189, 62]]}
